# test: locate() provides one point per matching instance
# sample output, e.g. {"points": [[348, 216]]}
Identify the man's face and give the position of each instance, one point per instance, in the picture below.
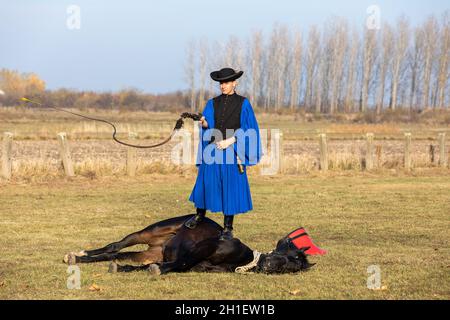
{"points": [[227, 87]]}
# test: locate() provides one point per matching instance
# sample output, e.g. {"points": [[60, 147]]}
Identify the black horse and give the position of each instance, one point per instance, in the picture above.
{"points": [[174, 248]]}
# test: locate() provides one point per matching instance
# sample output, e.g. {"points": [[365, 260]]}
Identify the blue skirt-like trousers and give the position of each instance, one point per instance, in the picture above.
{"points": [[221, 188]]}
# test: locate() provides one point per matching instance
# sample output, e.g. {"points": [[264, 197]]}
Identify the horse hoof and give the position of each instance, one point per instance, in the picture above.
{"points": [[154, 270], [82, 253], [112, 267], [70, 259]]}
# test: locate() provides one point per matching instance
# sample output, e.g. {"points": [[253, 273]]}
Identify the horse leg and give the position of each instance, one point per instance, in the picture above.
{"points": [[108, 257], [152, 255], [114, 267], [149, 258], [128, 241], [206, 266], [174, 266], [154, 237]]}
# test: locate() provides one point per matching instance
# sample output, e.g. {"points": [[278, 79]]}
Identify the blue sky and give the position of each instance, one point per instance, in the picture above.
{"points": [[141, 44]]}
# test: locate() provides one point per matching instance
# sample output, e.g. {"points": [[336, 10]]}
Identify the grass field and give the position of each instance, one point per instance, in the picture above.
{"points": [[398, 222]]}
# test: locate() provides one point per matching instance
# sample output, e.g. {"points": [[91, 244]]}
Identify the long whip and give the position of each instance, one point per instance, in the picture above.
{"points": [[179, 124]]}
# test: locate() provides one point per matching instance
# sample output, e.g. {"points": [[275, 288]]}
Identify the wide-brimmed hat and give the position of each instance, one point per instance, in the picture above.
{"points": [[226, 74]]}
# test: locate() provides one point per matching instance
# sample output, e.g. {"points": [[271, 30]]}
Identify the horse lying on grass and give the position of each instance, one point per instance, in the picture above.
{"points": [[174, 248]]}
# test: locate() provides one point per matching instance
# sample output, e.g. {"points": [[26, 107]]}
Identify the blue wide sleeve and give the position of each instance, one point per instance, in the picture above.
{"points": [[205, 133], [248, 141]]}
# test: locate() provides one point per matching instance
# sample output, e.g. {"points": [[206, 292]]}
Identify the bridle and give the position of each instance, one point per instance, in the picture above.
{"points": [[179, 124], [258, 258]]}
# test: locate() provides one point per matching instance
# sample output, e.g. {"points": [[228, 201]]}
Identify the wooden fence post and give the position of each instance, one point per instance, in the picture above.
{"points": [[263, 136], [65, 154], [431, 151], [131, 156], [275, 150], [6, 155], [272, 143], [442, 153], [369, 151], [407, 157], [323, 152], [378, 150]]}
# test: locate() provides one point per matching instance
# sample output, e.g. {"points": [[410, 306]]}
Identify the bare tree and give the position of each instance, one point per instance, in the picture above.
{"points": [[312, 59], [351, 72], [430, 39], [398, 63], [415, 64], [384, 64], [368, 62], [296, 63], [256, 61], [443, 74], [337, 67], [338, 44], [272, 68], [319, 82], [203, 56], [233, 54], [215, 62], [281, 64], [190, 68]]}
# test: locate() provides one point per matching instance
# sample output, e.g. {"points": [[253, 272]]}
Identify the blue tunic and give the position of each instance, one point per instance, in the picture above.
{"points": [[219, 186]]}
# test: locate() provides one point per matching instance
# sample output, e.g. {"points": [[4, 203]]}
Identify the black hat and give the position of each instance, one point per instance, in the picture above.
{"points": [[226, 74]]}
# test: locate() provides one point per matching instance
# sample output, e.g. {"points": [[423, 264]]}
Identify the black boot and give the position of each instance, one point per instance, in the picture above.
{"points": [[192, 222], [228, 228]]}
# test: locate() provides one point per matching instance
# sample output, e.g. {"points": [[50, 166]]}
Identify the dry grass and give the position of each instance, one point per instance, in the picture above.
{"points": [[399, 223], [95, 154], [44, 124]]}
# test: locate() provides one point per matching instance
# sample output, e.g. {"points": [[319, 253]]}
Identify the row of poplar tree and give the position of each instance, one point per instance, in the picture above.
{"points": [[336, 68]]}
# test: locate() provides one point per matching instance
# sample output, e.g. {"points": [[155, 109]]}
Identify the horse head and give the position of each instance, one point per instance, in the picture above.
{"points": [[286, 258]]}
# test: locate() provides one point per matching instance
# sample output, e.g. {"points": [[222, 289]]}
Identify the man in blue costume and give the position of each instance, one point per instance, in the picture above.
{"points": [[229, 142]]}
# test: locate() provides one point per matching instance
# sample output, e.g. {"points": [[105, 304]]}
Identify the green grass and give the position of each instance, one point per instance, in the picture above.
{"points": [[399, 223]]}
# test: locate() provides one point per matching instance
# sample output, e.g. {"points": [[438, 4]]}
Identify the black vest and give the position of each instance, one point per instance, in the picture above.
{"points": [[227, 113]]}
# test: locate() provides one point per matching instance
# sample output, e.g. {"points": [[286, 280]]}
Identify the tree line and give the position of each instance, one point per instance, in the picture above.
{"points": [[336, 68], [333, 69], [15, 85]]}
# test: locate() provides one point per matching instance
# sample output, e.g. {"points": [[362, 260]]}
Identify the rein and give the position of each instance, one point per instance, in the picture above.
{"points": [[179, 124], [250, 265]]}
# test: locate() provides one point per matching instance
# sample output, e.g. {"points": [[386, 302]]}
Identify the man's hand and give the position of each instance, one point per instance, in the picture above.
{"points": [[203, 122], [225, 143]]}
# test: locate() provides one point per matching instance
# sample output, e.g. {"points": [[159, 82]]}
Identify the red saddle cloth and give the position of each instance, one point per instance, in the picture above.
{"points": [[300, 239]]}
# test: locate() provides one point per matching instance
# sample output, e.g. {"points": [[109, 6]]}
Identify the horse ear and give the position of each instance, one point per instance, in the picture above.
{"points": [[302, 250]]}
